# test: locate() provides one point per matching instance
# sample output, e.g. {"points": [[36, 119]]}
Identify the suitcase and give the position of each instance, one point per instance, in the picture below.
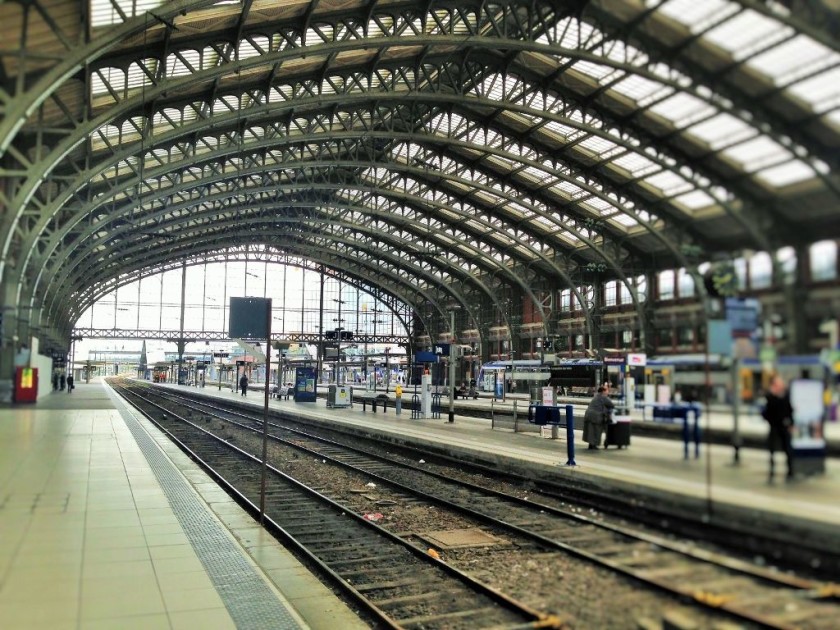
{"points": [[618, 434]]}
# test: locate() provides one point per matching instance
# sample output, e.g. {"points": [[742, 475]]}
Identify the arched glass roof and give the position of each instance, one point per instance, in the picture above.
{"points": [[441, 152]]}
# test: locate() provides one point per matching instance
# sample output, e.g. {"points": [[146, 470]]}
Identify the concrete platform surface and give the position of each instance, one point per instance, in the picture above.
{"points": [[106, 524]]}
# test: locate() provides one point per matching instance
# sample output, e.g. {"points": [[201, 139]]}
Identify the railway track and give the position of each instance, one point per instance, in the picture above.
{"points": [[400, 585], [754, 594]]}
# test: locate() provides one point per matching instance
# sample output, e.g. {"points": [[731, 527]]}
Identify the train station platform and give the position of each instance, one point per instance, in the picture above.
{"points": [[656, 467], [106, 524]]}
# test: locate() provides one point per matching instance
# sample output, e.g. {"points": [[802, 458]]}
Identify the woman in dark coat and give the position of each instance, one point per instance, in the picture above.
{"points": [[596, 417], [779, 414]]}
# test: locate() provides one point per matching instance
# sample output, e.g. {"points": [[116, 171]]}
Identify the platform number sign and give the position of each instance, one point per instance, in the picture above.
{"points": [[441, 349]]}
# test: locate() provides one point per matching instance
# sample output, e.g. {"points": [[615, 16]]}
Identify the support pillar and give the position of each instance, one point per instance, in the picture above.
{"points": [[796, 295]]}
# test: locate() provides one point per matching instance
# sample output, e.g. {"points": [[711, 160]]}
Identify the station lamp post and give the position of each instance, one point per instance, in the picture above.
{"points": [[338, 331], [452, 356]]}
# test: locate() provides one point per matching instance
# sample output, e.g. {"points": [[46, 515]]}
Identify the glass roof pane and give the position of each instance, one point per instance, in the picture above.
{"points": [[639, 88], [698, 16], [635, 163], [566, 189], [103, 13], [746, 33], [758, 152], [596, 71], [787, 173], [683, 109], [598, 145], [625, 220], [695, 199], [668, 182], [721, 130], [798, 57], [822, 92]]}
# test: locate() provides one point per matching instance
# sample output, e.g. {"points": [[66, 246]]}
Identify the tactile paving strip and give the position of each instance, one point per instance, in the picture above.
{"points": [[249, 600]]}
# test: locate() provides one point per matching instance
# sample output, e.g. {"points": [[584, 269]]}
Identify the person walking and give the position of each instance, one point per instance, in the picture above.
{"points": [[69, 383], [779, 414], [596, 417], [398, 399], [243, 385]]}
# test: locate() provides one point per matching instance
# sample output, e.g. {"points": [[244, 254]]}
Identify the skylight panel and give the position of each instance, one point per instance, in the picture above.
{"points": [[747, 33], [798, 57], [537, 175], [570, 33], [639, 88], [181, 64], [561, 132], [600, 206], [697, 15], [113, 78], [721, 130], [635, 163], [598, 145], [104, 13], [566, 189], [683, 109], [695, 199], [786, 174], [757, 153], [594, 70], [821, 92], [668, 182]]}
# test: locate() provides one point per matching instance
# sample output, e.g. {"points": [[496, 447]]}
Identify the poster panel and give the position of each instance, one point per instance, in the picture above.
{"points": [[305, 386], [806, 398]]}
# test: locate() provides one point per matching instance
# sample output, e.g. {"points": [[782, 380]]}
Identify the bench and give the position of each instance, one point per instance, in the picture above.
{"points": [[381, 399], [463, 393]]}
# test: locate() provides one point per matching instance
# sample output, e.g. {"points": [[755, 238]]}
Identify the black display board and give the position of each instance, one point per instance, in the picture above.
{"points": [[249, 318]]}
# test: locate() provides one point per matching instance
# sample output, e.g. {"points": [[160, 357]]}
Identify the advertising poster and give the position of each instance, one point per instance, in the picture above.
{"points": [[806, 398], [305, 389]]}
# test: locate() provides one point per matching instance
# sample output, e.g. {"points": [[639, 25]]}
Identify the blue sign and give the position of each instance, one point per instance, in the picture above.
{"points": [[425, 357], [742, 315], [441, 349], [305, 384]]}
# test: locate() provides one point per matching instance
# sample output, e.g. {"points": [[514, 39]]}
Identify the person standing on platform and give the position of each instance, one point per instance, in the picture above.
{"points": [[779, 414], [69, 383], [62, 380], [596, 417], [243, 385], [398, 399]]}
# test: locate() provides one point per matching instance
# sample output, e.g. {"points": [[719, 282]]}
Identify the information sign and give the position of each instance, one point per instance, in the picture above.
{"points": [[637, 359], [305, 387], [249, 318]]}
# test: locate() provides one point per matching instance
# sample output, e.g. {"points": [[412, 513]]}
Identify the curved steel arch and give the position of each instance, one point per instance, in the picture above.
{"points": [[201, 244], [303, 263], [588, 129], [517, 157], [373, 8], [432, 282], [167, 263]]}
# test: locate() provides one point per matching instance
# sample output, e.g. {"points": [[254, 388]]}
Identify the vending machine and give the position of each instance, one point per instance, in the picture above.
{"points": [[26, 384]]}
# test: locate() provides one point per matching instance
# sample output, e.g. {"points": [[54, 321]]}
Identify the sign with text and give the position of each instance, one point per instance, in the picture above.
{"points": [[637, 358], [426, 357]]}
